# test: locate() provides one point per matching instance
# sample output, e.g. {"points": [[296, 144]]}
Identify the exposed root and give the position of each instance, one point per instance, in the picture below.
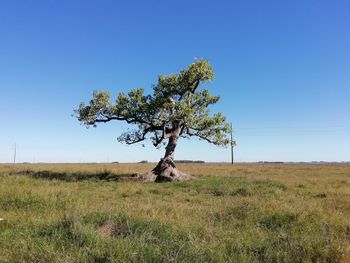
{"points": [[165, 171]]}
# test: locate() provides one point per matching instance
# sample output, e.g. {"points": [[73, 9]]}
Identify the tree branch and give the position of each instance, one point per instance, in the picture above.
{"points": [[200, 136], [158, 140], [140, 139]]}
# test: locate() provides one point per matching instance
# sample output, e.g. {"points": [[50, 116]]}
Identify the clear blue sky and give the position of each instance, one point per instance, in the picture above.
{"points": [[282, 70]]}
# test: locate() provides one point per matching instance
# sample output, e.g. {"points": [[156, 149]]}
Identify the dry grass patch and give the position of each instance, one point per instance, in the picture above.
{"points": [[240, 213]]}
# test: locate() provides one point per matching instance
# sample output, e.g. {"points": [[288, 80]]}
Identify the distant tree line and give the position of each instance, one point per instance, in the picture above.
{"points": [[189, 161]]}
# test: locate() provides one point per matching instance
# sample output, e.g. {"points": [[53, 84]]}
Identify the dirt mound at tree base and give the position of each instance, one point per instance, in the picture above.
{"points": [[165, 171], [152, 177]]}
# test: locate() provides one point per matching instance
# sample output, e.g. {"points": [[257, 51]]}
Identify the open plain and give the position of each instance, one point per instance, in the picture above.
{"points": [[230, 213]]}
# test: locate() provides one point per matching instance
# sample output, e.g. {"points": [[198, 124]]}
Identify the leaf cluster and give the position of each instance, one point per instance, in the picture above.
{"points": [[177, 104]]}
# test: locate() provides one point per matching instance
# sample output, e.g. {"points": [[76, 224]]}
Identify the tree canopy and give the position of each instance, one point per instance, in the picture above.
{"points": [[178, 103]]}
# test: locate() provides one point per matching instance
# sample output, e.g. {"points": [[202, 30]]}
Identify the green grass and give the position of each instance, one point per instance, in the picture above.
{"points": [[240, 213]]}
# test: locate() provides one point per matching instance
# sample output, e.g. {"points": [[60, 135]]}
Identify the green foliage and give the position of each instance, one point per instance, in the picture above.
{"points": [[177, 103]]}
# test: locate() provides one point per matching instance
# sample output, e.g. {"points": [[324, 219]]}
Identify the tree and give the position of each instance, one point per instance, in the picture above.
{"points": [[177, 108]]}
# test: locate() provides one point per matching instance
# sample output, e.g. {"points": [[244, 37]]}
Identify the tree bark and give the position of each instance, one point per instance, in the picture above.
{"points": [[166, 170]]}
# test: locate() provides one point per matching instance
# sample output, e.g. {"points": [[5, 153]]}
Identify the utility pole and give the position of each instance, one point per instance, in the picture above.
{"points": [[231, 145], [14, 154]]}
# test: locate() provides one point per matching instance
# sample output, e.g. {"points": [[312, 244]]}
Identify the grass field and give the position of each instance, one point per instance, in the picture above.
{"points": [[240, 213]]}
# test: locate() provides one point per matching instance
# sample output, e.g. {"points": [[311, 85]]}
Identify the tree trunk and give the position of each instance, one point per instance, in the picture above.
{"points": [[166, 170]]}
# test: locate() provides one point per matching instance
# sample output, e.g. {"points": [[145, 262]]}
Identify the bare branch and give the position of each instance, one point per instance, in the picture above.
{"points": [[133, 137], [158, 140]]}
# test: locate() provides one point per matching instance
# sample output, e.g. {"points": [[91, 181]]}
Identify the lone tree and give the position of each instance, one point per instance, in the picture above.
{"points": [[177, 108]]}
